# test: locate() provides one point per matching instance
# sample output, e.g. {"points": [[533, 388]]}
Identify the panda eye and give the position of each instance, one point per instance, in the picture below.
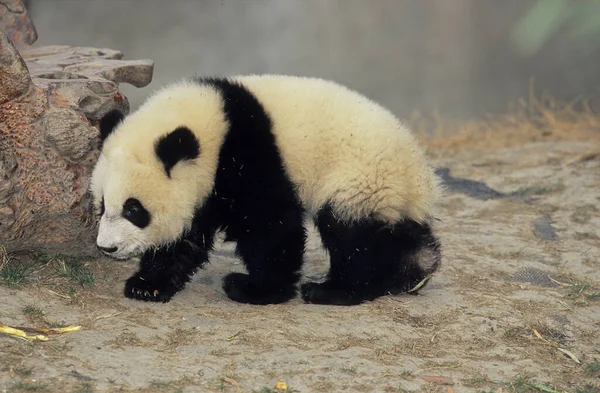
{"points": [[134, 212], [131, 211]]}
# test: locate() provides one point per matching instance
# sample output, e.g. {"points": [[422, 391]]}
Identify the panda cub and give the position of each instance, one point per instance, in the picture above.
{"points": [[252, 156]]}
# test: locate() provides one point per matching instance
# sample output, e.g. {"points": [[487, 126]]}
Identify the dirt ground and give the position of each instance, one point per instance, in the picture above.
{"points": [[515, 306]]}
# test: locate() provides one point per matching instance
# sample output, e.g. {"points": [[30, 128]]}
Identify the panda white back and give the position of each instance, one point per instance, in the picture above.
{"points": [[342, 148]]}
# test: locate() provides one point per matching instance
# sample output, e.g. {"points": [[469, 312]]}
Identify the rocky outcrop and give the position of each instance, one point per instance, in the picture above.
{"points": [[16, 23], [51, 99]]}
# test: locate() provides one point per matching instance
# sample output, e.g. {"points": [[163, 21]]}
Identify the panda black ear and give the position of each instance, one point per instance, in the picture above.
{"points": [[108, 122], [178, 145]]}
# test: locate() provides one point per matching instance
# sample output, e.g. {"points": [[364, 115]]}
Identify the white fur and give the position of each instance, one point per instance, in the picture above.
{"points": [[128, 167], [116, 231], [341, 147], [337, 146]]}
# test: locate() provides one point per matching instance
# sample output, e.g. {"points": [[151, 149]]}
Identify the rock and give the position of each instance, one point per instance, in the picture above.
{"points": [[51, 99], [542, 228], [88, 76], [16, 23], [14, 77]]}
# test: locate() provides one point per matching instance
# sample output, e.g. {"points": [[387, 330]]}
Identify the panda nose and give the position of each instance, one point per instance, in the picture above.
{"points": [[108, 250]]}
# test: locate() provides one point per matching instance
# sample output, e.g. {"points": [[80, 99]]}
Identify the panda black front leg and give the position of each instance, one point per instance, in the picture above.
{"points": [[155, 282], [145, 287], [166, 270], [273, 253]]}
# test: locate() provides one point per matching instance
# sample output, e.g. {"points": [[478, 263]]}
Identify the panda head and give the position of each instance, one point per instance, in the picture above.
{"points": [[139, 187], [154, 169]]}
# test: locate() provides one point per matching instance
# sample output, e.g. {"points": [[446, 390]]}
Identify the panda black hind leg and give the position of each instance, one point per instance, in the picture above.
{"points": [[370, 258]]}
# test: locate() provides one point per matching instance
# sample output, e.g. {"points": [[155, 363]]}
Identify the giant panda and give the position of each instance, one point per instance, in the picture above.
{"points": [[254, 156]]}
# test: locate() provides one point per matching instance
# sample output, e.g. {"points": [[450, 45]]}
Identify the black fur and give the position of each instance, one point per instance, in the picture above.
{"points": [[165, 271], [108, 122], [136, 213], [178, 145], [369, 259], [253, 201], [256, 204]]}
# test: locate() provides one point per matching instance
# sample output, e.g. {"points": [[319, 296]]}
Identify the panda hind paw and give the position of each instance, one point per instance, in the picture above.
{"points": [[140, 288], [241, 288], [327, 294]]}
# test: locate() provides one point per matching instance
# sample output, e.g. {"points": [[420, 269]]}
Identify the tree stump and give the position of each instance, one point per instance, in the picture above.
{"points": [[51, 99]]}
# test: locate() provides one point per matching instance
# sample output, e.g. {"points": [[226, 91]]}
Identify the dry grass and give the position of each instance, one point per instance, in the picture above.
{"points": [[533, 120]]}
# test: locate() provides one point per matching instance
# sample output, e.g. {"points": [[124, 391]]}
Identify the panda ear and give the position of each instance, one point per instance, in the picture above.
{"points": [[178, 145], [108, 122]]}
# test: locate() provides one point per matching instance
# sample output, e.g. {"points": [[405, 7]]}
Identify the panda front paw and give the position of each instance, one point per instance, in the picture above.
{"points": [[149, 289]]}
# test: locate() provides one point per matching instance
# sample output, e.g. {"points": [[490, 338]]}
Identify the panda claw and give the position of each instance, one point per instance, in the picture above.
{"points": [[146, 290]]}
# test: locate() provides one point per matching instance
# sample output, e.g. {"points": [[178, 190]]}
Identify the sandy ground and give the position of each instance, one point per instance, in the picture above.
{"points": [[513, 266]]}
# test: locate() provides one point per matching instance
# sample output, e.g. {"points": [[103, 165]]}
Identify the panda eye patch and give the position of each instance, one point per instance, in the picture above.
{"points": [[136, 213]]}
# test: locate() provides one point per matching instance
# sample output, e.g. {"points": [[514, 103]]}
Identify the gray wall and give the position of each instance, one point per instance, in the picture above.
{"points": [[451, 55]]}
